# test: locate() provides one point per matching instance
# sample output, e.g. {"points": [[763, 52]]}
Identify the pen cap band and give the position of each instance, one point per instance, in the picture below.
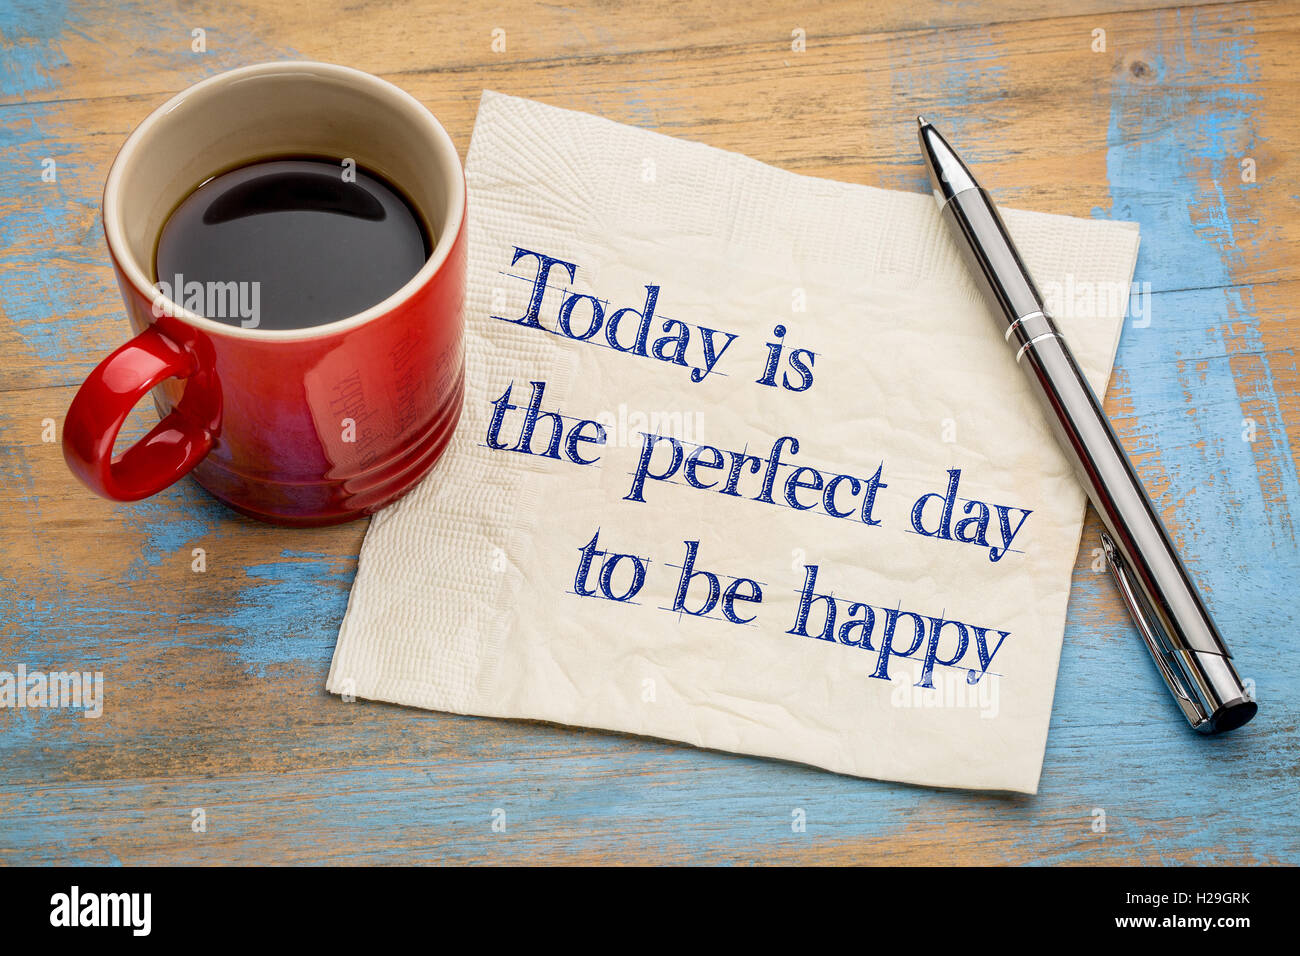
{"points": [[991, 255], [1029, 330]]}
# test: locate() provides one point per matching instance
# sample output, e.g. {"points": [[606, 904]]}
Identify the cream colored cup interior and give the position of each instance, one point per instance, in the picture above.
{"points": [[271, 110]]}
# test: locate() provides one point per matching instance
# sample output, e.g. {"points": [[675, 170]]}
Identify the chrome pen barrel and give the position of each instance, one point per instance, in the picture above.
{"points": [[1173, 621]]}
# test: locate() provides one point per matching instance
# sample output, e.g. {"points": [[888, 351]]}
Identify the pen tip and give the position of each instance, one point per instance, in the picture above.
{"points": [[922, 121]]}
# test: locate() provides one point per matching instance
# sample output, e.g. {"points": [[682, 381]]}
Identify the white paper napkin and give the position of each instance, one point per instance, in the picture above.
{"points": [[484, 592]]}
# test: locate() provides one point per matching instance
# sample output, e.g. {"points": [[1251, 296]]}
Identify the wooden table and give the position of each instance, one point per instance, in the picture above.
{"points": [[214, 693]]}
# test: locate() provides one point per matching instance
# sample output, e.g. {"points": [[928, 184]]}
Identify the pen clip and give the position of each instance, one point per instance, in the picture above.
{"points": [[1153, 637]]}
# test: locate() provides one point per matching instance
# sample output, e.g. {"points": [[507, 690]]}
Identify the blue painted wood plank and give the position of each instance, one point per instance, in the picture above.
{"points": [[222, 673]]}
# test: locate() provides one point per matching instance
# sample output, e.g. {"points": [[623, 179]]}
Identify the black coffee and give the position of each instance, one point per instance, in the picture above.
{"points": [[289, 243]]}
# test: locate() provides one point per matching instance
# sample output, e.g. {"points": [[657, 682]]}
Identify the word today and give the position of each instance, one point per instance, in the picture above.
{"points": [[583, 318]]}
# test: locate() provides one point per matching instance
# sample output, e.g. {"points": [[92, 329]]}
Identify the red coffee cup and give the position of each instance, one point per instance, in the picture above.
{"points": [[304, 426]]}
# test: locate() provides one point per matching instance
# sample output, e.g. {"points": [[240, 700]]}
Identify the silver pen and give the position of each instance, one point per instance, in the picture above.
{"points": [[1170, 615]]}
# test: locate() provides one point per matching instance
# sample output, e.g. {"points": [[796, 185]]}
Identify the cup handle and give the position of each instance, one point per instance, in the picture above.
{"points": [[173, 447]]}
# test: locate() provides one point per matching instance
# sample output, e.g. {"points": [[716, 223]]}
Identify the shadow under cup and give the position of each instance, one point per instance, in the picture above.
{"points": [[301, 426]]}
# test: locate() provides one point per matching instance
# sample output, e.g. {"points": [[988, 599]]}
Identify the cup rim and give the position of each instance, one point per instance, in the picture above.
{"points": [[447, 158]]}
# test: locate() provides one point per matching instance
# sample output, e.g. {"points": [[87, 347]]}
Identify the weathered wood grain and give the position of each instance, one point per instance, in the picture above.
{"points": [[108, 48], [214, 680], [843, 109]]}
